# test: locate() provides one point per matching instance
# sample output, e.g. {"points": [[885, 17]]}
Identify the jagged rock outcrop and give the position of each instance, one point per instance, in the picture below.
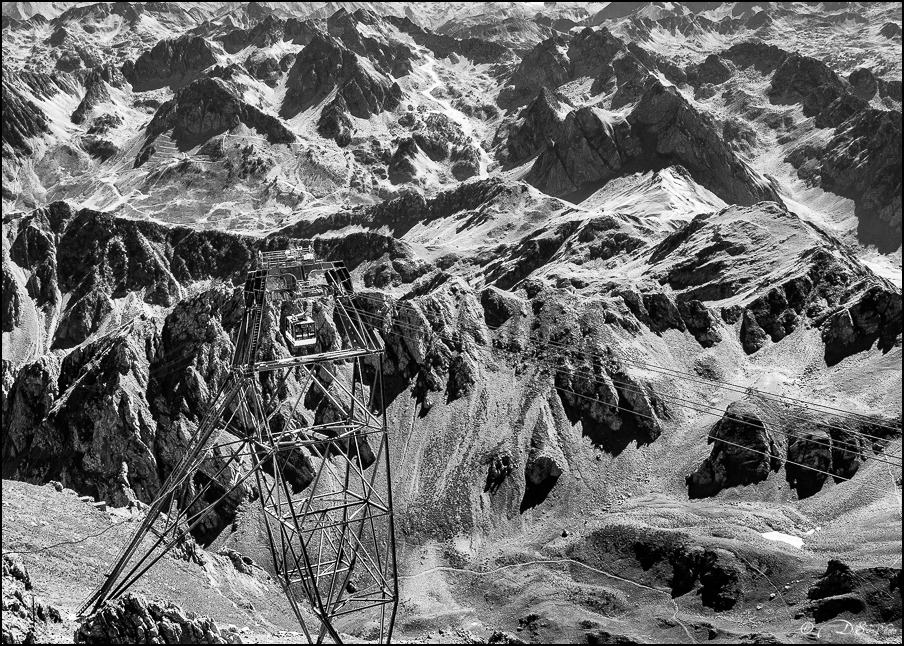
{"points": [[744, 452], [763, 57], [402, 168], [334, 122], [98, 419], [862, 161], [270, 30], [206, 108], [546, 65], [500, 306], [632, 79], [263, 68], [842, 589], [403, 212], [815, 287], [590, 150], [700, 322], [499, 467], [668, 558], [809, 460], [864, 83], [170, 63], [662, 129], [96, 91], [26, 616], [654, 61], [539, 122], [22, 121], [818, 451], [890, 30], [713, 70], [668, 126], [390, 57], [800, 77], [876, 315], [324, 64], [132, 619], [591, 53], [478, 50], [544, 466]]}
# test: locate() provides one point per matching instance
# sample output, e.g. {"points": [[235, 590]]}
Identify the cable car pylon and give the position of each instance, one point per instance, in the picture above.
{"points": [[307, 435]]}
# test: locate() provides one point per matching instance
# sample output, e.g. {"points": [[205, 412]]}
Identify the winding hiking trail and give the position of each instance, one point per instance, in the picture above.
{"points": [[445, 568]]}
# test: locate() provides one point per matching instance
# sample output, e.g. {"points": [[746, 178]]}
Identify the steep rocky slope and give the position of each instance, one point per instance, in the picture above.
{"points": [[615, 253]]}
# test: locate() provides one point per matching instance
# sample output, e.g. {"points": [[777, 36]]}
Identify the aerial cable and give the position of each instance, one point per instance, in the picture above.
{"points": [[835, 445]]}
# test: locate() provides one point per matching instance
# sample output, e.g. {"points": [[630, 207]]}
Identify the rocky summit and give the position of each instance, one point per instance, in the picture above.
{"points": [[635, 269]]}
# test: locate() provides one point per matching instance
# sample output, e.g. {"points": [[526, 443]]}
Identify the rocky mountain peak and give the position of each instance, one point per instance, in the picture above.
{"points": [[170, 63], [324, 64], [630, 264], [205, 108], [667, 125]]}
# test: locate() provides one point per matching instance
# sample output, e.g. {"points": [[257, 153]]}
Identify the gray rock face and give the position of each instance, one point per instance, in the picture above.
{"points": [[206, 108], [744, 452], [264, 68], [712, 70], [99, 419], [890, 30], [442, 45], [717, 574], [863, 83], [700, 321], [96, 93], [133, 620], [334, 122], [809, 460], [544, 466], [843, 589], [662, 129], [22, 119], [798, 77], [816, 289], [26, 617], [324, 64], [588, 152], [591, 53], [669, 126], [538, 123], [546, 65], [875, 316], [390, 57], [170, 63], [862, 161]]}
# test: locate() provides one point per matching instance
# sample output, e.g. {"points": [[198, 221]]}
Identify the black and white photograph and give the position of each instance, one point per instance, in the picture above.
{"points": [[451, 323]]}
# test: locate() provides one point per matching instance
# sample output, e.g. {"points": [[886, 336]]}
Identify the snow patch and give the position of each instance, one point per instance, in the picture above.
{"points": [[794, 541]]}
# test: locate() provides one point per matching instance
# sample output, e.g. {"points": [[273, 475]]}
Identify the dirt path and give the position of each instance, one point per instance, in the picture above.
{"points": [[444, 568]]}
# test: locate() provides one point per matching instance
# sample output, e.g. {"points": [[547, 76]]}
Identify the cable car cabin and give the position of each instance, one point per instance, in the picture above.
{"points": [[300, 334]]}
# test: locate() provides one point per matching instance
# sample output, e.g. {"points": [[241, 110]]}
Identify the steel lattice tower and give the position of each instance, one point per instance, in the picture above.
{"points": [[323, 479]]}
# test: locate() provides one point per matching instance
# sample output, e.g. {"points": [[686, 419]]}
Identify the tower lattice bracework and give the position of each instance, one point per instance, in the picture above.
{"points": [[322, 479]]}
